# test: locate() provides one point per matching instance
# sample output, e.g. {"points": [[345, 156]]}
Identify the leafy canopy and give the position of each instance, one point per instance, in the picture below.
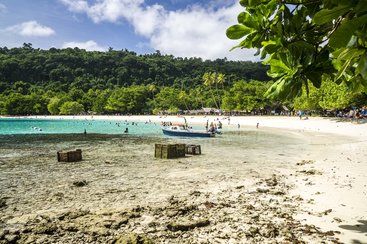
{"points": [[303, 40]]}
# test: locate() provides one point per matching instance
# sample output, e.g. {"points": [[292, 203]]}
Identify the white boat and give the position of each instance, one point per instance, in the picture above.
{"points": [[183, 130]]}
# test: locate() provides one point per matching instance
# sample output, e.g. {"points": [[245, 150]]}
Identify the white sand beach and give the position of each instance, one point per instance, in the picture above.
{"points": [[331, 180]]}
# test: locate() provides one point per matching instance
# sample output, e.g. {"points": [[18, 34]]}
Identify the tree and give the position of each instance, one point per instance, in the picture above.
{"points": [[308, 100], [305, 40], [329, 96], [128, 100], [70, 108], [167, 99], [245, 96], [335, 96], [214, 78], [54, 105]]}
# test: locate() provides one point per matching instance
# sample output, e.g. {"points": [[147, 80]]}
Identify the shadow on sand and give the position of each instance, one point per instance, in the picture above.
{"points": [[361, 227], [354, 121]]}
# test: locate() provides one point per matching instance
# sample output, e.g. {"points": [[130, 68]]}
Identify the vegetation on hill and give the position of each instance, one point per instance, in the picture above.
{"points": [[72, 81]]}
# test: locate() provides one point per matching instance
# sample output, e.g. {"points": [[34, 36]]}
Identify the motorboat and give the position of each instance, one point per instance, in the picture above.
{"points": [[184, 130]]}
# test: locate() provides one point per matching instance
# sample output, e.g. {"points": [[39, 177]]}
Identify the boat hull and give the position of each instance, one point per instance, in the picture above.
{"points": [[187, 133]]}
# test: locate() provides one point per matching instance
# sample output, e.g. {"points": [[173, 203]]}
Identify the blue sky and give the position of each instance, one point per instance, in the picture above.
{"points": [[183, 28]]}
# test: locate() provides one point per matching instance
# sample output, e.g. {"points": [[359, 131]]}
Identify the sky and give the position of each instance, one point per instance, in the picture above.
{"points": [[182, 28]]}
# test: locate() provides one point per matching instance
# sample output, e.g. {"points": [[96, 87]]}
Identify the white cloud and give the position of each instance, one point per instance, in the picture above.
{"points": [[31, 28], [88, 45], [3, 8], [197, 31], [78, 6]]}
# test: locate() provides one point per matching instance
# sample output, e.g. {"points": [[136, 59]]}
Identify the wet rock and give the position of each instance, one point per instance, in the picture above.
{"points": [[271, 181], [132, 239], [310, 172], [326, 212], [117, 224], [80, 183], [303, 162], [172, 200], [70, 227], [48, 229], [262, 190], [195, 193], [186, 225], [252, 231], [209, 205], [2, 203], [338, 219], [73, 214], [11, 238], [3, 232], [269, 231]]}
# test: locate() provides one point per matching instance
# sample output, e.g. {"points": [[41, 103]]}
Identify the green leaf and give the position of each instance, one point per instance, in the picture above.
{"points": [[343, 35], [278, 68], [237, 31], [315, 78], [271, 46], [247, 20], [327, 15], [362, 66], [343, 69], [244, 3]]}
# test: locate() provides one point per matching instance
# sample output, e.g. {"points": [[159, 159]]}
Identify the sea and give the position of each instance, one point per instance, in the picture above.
{"points": [[21, 126], [16, 131]]}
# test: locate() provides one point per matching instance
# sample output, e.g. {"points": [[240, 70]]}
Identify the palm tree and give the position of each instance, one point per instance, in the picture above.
{"points": [[209, 80], [183, 97], [220, 79], [152, 89]]}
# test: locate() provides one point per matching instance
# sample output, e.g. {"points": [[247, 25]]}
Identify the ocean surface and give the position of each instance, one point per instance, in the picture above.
{"points": [[11, 126], [16, 131]]}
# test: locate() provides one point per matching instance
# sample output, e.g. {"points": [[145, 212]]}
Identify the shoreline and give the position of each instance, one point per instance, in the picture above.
{"points": [[312, 124], [331, 182]]}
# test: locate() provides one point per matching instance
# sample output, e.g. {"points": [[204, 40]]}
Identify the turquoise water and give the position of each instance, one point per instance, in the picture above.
{"points": [[47, 126], [18, 126]]}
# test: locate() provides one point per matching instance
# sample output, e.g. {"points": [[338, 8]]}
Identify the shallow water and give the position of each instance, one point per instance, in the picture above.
{"points": [[11, 126], [121, 171]]}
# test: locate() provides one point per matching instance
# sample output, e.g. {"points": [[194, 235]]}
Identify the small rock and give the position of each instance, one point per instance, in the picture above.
{"points": [[12, 238], [47, 229], [337, 219], [188, 225], [303, 162], [120, 222], [80, 183], [195, 193], [2, 203], [262, 190], [132, 239]]}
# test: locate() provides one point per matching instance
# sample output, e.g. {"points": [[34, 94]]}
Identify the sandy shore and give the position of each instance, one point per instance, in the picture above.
{"points": [[322, 189]]}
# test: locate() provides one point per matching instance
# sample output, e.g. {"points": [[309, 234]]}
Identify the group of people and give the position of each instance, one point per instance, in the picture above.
{"points": [[166, 123], [213, 128]]}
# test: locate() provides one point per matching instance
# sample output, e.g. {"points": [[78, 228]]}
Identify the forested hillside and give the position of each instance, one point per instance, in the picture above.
{"points": [[62, 69], [35, 81], [73, 81]]}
